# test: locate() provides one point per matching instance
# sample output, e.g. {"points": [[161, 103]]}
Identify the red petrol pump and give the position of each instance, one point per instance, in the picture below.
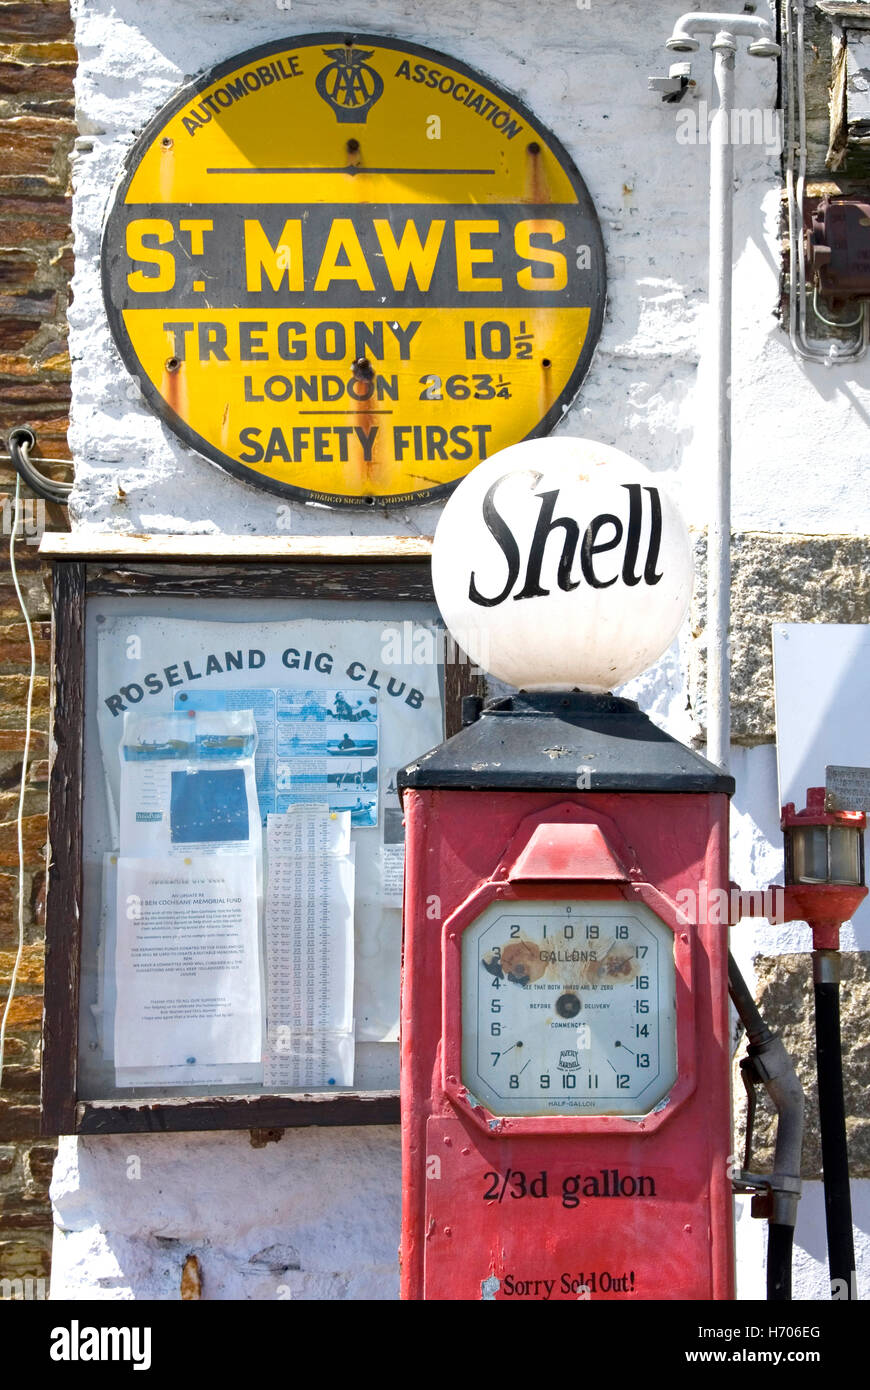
{"points": [[565, 1045], [564, 1026]]}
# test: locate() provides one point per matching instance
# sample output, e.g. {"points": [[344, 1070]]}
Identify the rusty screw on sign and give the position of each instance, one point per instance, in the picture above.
{"points": [[363, 369]]}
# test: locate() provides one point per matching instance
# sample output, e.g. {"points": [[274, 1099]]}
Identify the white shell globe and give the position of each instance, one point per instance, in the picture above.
{"points": [[562, 564]]}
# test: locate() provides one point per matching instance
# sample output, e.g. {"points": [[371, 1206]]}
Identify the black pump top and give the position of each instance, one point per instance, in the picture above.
{"points": [[563, 742]]}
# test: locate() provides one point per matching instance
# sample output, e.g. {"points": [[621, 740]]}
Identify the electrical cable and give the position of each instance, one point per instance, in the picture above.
{"points": [[837, 323], [23, 784], [20, 441]]}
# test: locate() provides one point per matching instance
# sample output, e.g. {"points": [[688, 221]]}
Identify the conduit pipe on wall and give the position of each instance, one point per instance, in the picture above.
{"points": [[832, 353], [725, 30]]}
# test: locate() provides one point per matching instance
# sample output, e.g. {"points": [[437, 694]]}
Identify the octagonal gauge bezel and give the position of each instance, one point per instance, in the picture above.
{"points": [[467, 915]]}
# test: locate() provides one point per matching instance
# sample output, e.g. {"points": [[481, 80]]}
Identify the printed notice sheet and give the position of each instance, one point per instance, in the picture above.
{"points": [[187, 966], [188, 991], [309, 950]]}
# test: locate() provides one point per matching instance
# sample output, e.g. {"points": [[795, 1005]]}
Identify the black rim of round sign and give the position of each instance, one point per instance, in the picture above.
{"points": [[190, 437]]}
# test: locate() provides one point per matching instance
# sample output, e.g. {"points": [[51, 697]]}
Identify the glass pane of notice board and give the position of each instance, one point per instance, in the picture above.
{"points": [[242, 840]]}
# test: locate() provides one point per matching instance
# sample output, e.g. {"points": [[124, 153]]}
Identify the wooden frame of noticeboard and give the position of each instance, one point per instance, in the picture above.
{"points": [[391, 570]]}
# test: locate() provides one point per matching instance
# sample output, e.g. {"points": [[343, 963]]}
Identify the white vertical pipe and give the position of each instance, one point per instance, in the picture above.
{"points": [[725, 28], [719, 524]]}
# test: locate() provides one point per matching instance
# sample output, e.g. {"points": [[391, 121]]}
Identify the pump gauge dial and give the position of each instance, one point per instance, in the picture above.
{"points": [[568, 1008]]}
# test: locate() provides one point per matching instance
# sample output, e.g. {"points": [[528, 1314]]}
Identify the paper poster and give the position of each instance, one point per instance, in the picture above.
{"points": [[393, 873], [337, 706], [187, 971], [314, 746], [393, 853], [189, 885], [309, 950], [187, 783]]}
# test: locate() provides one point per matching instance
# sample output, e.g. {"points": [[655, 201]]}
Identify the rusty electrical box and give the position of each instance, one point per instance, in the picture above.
{"points": [[838, 246]]}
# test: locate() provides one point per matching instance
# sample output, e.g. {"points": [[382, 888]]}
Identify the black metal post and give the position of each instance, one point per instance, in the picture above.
{"points": [[832, 1122], [780, 1247]]}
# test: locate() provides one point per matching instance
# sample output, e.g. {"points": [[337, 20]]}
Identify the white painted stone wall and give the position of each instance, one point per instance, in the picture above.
{"points": [[261, 1224]]}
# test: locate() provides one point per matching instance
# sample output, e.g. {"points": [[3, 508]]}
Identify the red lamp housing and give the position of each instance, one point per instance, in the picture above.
{"points": [[824, 867]]}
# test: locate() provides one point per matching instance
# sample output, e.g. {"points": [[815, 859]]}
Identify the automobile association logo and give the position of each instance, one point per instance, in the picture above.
{"points": [[568, 1059], [348, 84]]}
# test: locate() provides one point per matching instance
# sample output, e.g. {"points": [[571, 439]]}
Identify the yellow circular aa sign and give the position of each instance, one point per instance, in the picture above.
{"points": [[348, 269]]}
